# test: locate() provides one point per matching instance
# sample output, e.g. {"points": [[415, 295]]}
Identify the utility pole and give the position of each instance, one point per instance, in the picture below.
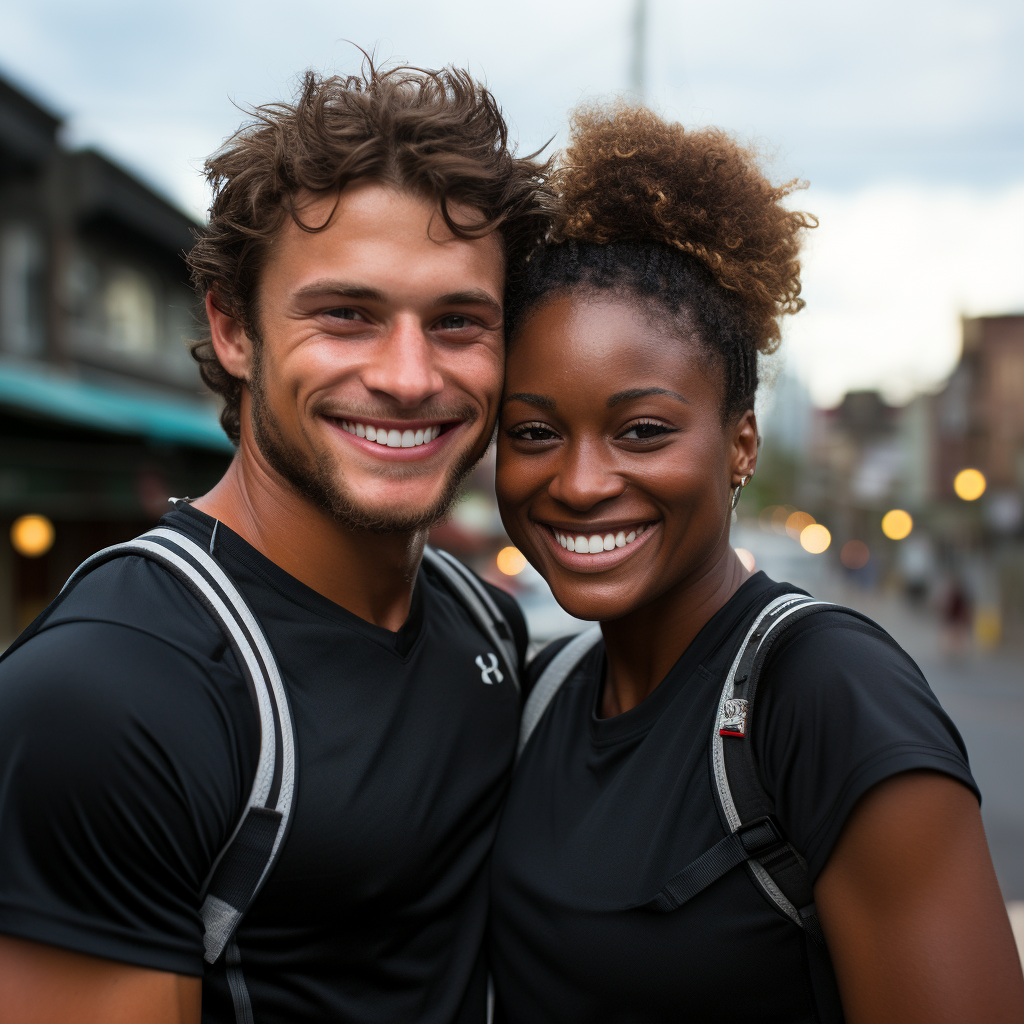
{"points": [[639, 56]]}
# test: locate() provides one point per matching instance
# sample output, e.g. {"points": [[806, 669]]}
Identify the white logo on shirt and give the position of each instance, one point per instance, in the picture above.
{"points": [[487, 670]]}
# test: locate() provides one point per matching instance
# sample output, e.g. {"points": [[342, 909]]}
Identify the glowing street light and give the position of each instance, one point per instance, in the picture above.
{"points": [[969, 484], [32, 535], [897, 524], [511, 561], [815, 538]]}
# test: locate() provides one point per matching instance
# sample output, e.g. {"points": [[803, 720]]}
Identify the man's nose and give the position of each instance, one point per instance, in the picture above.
{"points": [[586, 477], [404, 366]]}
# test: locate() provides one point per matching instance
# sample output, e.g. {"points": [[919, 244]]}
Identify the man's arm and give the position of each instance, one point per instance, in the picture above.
{"points": [[912, 912], [43, 984]]}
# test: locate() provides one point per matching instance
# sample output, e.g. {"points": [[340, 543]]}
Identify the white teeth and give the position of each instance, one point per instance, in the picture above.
{"points": [[596, 543], [392, 438]]}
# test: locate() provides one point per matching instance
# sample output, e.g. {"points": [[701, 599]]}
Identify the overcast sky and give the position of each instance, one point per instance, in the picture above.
{"points": [[906, 117]]}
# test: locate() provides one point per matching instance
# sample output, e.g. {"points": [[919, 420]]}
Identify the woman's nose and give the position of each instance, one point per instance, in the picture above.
{"points": [[586, 477]]}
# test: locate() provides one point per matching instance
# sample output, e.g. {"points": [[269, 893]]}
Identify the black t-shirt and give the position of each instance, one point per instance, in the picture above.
{"points": [[128, 745], [603, 812]]}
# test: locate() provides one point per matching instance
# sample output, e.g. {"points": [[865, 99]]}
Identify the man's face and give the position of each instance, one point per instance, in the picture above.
{"points": [[375, 382]]}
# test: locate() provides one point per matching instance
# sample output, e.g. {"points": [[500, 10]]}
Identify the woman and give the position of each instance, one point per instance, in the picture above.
{"points": [[626, 435]]}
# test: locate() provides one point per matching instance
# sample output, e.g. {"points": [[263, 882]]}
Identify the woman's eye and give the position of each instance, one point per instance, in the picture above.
{"points": [[344, 313], [532, 432], [645, 431]]}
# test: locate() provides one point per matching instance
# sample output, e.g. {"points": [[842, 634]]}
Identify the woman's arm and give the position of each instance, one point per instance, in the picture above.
{"points": [[42, 984], [912, 912]]}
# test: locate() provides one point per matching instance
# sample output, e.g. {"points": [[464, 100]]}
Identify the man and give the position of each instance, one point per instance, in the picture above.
{"points": [[353, 275]]}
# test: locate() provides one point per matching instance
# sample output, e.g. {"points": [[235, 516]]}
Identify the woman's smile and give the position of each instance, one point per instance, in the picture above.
{"points": [[617, 489]]}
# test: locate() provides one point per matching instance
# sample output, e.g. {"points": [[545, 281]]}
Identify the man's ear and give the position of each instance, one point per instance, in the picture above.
{"points": [[744, 447], [230, 342]]}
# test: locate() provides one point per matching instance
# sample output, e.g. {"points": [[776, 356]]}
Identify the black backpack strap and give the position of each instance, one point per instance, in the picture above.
{"points": [[473, 596], [242, 866]]}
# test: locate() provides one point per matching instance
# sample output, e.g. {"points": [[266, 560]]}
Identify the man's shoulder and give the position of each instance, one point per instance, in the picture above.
{"points": [[506, 604], [139, 594]]}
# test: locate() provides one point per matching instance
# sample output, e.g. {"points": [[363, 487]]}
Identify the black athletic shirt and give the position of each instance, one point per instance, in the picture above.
{"points": [[128, 745], [603, 812]]}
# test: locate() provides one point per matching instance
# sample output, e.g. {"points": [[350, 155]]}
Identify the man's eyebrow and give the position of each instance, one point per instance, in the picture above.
{"points": [[473, 297], [524, 396], [626, 396], [320, 289]]}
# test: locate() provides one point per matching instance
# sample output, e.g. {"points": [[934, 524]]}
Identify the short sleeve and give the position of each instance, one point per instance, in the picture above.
{"points": [[840, 708], [124, 764]]}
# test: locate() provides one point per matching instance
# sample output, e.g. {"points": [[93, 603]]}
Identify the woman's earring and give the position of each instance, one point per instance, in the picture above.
{"points": [[744, 480]]}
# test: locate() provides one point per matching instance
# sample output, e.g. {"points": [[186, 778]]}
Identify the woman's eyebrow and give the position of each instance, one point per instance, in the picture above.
{"points": [[626, 396], [524, 396]]}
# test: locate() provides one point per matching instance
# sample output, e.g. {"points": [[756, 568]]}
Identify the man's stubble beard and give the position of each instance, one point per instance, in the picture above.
{"points": [[322, 482]]}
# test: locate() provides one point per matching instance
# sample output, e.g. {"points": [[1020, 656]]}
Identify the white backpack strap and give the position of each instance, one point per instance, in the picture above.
{"points": [[551, 679], [242, 866], [481, 606]]}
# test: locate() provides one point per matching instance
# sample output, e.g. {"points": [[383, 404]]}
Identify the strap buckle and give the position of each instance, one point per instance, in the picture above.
{"points": [[761, 836]]}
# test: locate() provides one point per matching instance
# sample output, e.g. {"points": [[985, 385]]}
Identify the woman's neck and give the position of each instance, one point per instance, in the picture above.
{"points": [[642, 646]]}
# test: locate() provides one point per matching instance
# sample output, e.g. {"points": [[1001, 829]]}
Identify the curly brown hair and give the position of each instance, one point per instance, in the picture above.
{"points": [[435, 133], [685, 218]]}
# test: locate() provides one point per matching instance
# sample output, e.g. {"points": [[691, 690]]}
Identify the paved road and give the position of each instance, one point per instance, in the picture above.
{"points": [[984, 695]]}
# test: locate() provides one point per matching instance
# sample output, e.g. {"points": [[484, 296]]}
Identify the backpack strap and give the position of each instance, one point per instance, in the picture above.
{"points": [[473, 596], [244, 863], [747, 812], [559, 669]]}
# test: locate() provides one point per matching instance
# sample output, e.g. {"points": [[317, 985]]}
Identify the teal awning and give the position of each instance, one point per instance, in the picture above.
{"points": [[159, 418]]}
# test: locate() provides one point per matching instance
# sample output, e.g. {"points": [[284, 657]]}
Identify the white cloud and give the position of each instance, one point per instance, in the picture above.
{"points": [[889, 273]]}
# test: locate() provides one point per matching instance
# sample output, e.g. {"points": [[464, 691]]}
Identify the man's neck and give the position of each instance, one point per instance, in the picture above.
{"points": [[369, 574]]}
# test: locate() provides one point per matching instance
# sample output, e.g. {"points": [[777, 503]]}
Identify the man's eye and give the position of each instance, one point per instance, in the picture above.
{"points": [[454, 323], [345, 313], [645, 431], [532, 432]]}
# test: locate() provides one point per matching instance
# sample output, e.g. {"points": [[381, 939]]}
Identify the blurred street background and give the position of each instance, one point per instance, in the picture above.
{"points": [[892, 468]]}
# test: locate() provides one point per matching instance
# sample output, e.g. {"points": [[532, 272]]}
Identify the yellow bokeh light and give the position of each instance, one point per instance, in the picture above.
{"points": [[969, 484], [32, 535], [897, 524], [511, 561], [815, 538], [797, 523]]}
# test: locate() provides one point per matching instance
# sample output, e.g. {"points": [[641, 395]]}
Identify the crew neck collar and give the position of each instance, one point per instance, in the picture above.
{"points": [[716, 631], [240, 558]]}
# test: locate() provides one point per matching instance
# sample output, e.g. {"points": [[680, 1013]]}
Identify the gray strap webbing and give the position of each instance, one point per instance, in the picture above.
{"points": [[551, 679], [474, 597], [242, 866], [773, 618]]}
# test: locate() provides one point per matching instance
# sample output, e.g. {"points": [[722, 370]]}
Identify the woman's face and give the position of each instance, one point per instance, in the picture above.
{"points": [[611, 441]]}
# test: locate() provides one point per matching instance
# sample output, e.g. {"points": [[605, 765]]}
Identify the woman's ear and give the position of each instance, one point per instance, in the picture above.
{"points": [[744, 448], [230, 342]]}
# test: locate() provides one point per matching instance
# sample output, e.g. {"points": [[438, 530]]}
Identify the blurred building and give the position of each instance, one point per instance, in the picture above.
{"points": [[866, 458], [102, 414]]}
